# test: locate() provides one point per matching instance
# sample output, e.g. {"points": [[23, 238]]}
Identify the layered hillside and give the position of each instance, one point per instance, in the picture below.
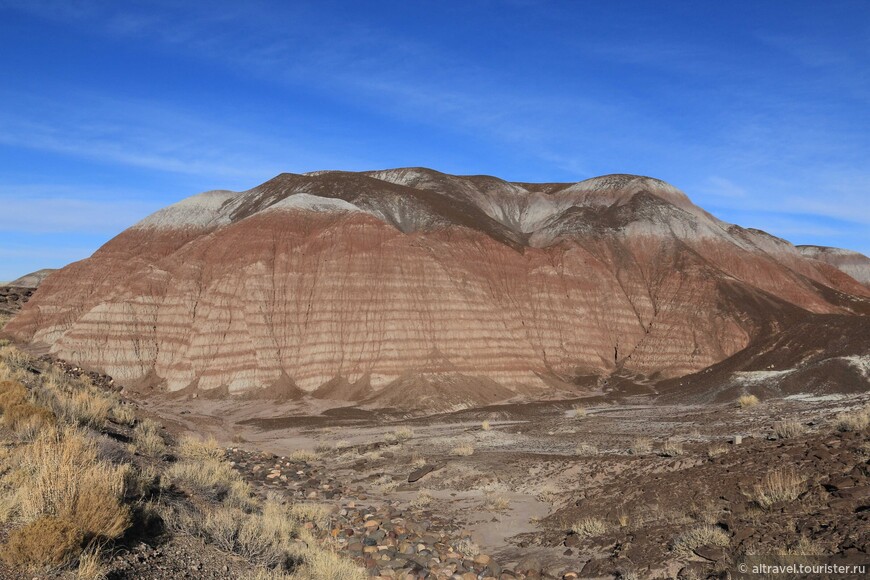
{"points": [[412, 283], [854, 264]]}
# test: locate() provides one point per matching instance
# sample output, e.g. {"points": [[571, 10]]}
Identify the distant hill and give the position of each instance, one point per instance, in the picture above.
{"points": [[32, 280]]}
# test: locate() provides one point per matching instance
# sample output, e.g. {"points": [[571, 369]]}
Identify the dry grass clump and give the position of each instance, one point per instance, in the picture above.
{"points": [[717, 449], [467, 548], [578, 412], [60, 474], [463, 450], [778, 486], [91, 566], [196, 448], [19, 414], [585, 449], [403, 434], [590, 527], [417, 460], [640, 446], [147, 439], [87, 406], [672, 448], [686, 543], [788, 428], [485, 426], [853, 421], [267, 538], [317, 513], [211, 478], [746, 401], [123, 414], [424, 499], [496, 502], [46, 543], [303, 455], [323, 564]]}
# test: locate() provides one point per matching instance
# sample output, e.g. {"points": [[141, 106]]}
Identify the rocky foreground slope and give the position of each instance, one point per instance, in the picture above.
{"points": [[397, 285]]}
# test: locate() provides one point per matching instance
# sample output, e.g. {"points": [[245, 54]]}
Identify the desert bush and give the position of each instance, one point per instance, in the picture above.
{"points": [[147, 439], [124, 414], [403, 433], [11, 393], [640, 446], [315, 513], [323, 564], [778, 486], [424, 499], [485, 426], [467, 548], [46, 543], [463, 450], [269, 538], [195, 448], [589, 527], [417, 460], [788, 428], [91, 566], [853, 420], [672, 448], [140, 482], [60, 474], [496, 502], [87, 406], [746, 401], [15, 358], [704, 535], [585, 449], [717, 449], [578, 412], [214, 479], [303, 455], [19, 414]]}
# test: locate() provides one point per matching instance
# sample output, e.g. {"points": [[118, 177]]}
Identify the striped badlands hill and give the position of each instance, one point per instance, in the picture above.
{"points": [[412, 285]]}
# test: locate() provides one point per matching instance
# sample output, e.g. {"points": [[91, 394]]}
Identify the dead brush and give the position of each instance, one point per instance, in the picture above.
{"points": [[640, 446], [495, 502], [423, 500], [747, 401], [147, 439], [45, 544], [780, 485], [210, 478], [196, 448], [686, 543], [672, 448], [19, 414], [853, 420], [463, 450], [788, 429], [590, 527], [61, 475]]}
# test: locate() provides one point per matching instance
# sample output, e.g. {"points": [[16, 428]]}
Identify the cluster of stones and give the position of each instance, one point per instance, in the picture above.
{"points": [[387, 541]]}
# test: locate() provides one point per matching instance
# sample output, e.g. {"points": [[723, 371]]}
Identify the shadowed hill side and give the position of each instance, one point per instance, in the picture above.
{"points": [[371, 280]]}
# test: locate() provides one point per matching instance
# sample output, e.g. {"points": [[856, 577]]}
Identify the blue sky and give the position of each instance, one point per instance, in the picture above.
{"points": [[109, 110]]}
